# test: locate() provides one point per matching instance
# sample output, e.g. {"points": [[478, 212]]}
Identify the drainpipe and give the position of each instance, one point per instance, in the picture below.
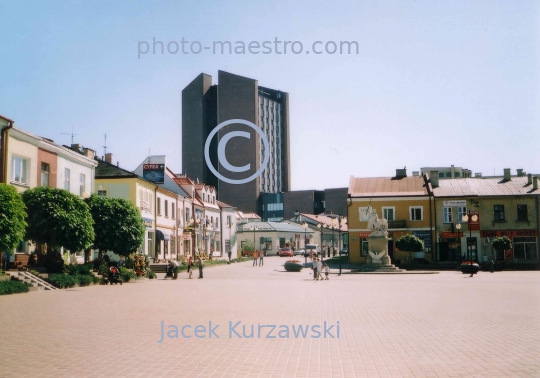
{"points": [[537, 223], [4, 155]]}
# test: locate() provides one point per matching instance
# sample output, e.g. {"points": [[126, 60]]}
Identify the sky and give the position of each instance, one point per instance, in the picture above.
{"points": [[433, 83]]}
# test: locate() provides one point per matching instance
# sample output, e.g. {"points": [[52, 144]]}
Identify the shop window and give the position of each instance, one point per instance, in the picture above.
{"points": [[364, 246], [524, 248]]}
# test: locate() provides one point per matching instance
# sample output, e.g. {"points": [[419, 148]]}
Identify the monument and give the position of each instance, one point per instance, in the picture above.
{"points": [[378, 243]]}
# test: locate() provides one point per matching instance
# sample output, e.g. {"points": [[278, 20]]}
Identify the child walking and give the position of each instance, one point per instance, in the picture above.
{"points": [[326, 270]]}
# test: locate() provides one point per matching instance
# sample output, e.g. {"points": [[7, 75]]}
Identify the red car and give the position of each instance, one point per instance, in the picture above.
{"points": [[286, 251]]}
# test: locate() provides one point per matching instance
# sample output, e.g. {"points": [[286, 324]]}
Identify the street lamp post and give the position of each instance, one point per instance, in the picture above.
{"points": [[458, 228], [305, 225], [254, 228], [469, 218], [321, 227]]}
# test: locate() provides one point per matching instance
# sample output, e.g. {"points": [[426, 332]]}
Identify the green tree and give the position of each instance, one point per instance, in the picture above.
{"points": [[118, 225], [410, 243], [12, 218], [58, 218], [248, 247], [501, 244]]}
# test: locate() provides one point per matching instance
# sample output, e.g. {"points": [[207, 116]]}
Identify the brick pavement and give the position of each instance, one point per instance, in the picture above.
{"points": [[443, 325]]}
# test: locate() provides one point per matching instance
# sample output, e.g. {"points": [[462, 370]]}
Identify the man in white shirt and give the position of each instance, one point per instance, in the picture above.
{"points": [[319, 269]]}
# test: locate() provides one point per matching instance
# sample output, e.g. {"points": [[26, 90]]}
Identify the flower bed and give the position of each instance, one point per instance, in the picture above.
{"points": [[293, 266]]}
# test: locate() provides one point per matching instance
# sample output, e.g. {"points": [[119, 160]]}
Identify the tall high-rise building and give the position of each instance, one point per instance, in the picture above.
{"points": [[204, 106]]}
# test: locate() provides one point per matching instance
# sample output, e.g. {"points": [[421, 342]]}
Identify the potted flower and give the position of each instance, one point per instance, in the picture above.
{"points": [[293, 266]]}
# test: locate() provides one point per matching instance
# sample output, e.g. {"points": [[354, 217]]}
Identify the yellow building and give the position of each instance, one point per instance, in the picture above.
{"points": [[406, 202]]}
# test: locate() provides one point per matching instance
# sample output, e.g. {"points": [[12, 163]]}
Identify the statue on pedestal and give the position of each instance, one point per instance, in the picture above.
{"points": [[378, 239]]}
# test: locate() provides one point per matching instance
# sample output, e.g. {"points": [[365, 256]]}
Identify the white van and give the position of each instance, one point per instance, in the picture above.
{"points": [[315, 247]]}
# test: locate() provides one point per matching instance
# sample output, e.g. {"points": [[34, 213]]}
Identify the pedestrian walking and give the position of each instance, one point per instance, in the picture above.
{"points": [[326, 270], [229, 253], [190, 267], [319, 270], [261, 258], [5, 259], [200, 267], [314, 266], [492, 267], [255, 257], [121, 262], [175, 269]]}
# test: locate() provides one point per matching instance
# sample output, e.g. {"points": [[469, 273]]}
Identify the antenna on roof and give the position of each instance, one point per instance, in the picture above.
{"points": [[72, 135], [105, 146]]}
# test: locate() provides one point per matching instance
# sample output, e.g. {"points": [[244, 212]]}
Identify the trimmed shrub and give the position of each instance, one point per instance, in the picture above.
{"points": [[13, 287], [62, 280], [83, 280], [126, 274]]}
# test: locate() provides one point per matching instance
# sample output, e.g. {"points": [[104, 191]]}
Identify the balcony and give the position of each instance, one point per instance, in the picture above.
{"points": [[397, 224]]}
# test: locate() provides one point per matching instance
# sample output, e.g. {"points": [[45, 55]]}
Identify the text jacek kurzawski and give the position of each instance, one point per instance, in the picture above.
{"points": [[238, 330]]}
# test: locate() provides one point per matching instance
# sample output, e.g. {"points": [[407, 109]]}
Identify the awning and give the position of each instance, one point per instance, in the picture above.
{"points": [[161, 236]]}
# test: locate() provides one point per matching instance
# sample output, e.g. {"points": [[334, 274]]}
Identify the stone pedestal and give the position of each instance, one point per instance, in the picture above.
{"points": [[378, 252]]}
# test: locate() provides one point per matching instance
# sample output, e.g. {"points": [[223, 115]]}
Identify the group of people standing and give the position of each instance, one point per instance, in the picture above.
{"points": [[258, 255], [318, 269]]}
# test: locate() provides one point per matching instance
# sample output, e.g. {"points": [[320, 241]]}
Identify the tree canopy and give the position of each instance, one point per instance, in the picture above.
{"points": [[58, 218], [410, 243], [12, 218], [118, 225]]}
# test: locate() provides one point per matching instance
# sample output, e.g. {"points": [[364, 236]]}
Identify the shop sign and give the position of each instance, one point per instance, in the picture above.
{"points": [[507, 233], [450, 235], [460, 203], [154, 173]]}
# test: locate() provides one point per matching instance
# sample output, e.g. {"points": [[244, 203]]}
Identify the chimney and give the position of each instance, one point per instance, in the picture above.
{"points": [[76, 147], [507, 176], [89, 153], [520, 172], [401, 173], [535, 183], [416, 173], [434, 178], [478, 174], [108, 157], [529, 179]]}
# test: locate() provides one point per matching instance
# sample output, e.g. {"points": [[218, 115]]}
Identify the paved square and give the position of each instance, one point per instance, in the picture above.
{"points": [[440, 325]]}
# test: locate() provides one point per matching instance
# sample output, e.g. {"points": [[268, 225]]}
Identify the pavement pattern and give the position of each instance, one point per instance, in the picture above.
{"points": [[435, 325]]}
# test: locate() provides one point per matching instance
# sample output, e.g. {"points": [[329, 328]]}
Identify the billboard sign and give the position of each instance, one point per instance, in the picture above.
{"points": [[154, 173]]}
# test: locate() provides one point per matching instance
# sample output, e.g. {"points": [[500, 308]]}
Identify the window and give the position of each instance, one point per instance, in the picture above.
{"points": [[45, 171], [416, 213], [363, 214], [522, 215], [441, 174], [203, 197], [448, 174], [159, 206], [365, 248], [229, 223], [102, 193], [498, 213], [67, 179], [18, 170], [524, 248], [173, 245], [82, 179], [166, 206], [447, 214], [188, 215], [461, 212], [457, 174], [389, 213], [172, 210]]}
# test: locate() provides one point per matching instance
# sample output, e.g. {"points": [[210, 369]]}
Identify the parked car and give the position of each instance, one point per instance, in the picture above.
{"points": [[344, 251], [467, 267], [286, 251], [299, 251], [313, 247]]}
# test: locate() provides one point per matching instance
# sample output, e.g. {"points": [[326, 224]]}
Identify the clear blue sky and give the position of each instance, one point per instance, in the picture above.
{"points": [[435, 83]]}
